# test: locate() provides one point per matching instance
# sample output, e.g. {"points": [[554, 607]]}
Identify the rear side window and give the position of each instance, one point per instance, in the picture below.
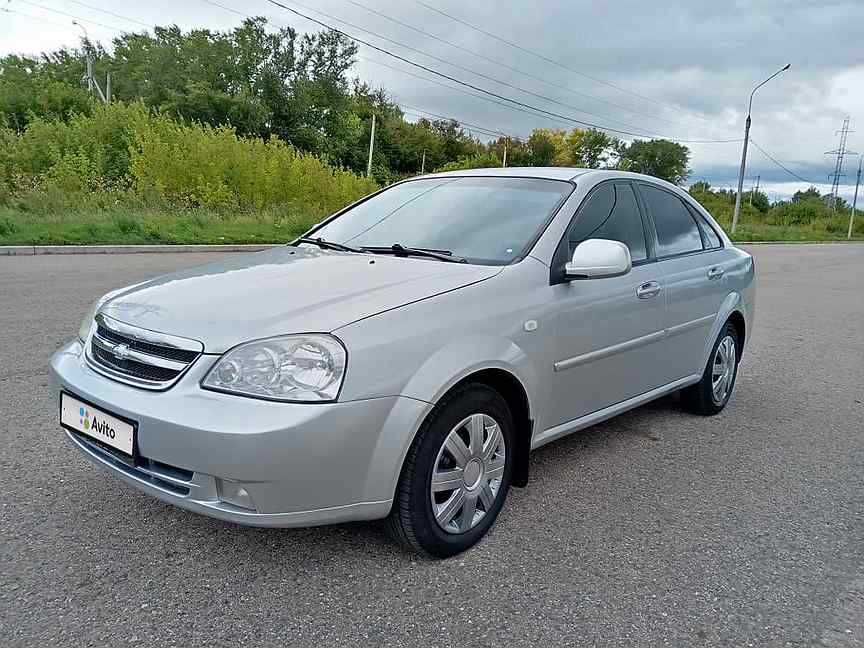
{"points": [[612, 213], [677, 232], [709, 234]]}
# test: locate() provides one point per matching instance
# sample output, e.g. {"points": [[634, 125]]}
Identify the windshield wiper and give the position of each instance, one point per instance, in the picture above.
{"points": [[329, 245], [397, 249]]}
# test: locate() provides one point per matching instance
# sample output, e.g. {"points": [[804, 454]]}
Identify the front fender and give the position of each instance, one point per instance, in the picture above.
{"points": [[439, 373], [455, 361]]}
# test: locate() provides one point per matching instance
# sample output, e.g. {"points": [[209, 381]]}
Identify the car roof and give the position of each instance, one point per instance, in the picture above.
{"points": [[551, 173], [548, 173]]}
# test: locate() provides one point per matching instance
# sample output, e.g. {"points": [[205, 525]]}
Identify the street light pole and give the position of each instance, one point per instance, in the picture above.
{"points": [[855, 199], [744, 150]]}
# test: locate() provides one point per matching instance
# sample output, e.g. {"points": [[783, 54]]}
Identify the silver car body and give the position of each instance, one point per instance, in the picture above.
{"points": [[579, 352]]}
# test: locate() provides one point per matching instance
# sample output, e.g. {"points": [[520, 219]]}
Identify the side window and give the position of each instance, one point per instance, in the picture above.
{"points": [[625, 223], [611, 213], [592, 215], [677, 232], [709, 234]]}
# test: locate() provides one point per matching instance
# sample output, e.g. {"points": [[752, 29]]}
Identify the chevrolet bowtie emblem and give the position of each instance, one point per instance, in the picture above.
{"points": [[121, 351]]}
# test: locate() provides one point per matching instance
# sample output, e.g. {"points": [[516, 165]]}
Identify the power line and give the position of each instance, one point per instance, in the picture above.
{"points": [[69, 15], [445, 61], [780, 164], [462, 91], [477, 127], [509, 67], [472, 86], [543, 57], [32, 17], [110, 13], [231, 9]]}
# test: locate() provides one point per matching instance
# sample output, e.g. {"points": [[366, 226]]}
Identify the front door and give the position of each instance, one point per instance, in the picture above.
{"points": [[608, 332]]}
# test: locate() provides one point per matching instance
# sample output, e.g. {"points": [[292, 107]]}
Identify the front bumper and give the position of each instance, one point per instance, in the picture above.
{"points": [[302, 464]]}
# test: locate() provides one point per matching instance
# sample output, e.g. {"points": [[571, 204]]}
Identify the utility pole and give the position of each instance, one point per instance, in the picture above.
{"points": [[108, 87], [840, 152], [504, 161], [423, 162], [744, 150], [88, 75], [855, 199], [756, 190], [371, 147]]}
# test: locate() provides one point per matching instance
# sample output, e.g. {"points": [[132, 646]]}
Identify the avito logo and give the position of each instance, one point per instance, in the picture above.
{"points": [[90, 422]]}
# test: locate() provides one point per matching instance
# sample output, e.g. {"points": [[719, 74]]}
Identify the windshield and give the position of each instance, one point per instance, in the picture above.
{"points": [[485, 220]]}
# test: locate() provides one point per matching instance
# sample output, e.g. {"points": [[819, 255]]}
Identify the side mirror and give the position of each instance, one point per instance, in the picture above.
{"points": [[598, 258]]}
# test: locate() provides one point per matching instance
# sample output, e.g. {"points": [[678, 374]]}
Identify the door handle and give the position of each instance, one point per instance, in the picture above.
{"points": [[716, 272], [648, 290]]}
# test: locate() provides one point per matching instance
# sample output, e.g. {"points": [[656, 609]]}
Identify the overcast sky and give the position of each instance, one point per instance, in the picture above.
{"points": [[679, 70]]}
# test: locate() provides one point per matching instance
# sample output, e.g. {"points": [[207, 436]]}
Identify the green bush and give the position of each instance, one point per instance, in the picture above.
{"points": [[199, 165], [124, 153], [7, 226], [482, 161]]}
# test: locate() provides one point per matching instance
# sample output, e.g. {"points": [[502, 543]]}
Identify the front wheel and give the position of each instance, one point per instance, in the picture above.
{"points": [[456, 475], [710, 395]]}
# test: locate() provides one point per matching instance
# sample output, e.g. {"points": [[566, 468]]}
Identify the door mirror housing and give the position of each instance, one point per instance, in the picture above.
{"points": [[599, 258]]}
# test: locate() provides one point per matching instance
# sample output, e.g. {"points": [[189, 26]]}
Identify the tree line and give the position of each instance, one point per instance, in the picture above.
{"points": [[298, 88]]}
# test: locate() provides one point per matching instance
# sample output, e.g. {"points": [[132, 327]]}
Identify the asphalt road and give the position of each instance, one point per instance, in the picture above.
{"points": [[656, 528]]}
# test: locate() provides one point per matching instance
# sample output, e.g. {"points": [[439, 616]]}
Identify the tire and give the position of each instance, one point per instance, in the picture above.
{"points": [[419, 518], [702, 398]]}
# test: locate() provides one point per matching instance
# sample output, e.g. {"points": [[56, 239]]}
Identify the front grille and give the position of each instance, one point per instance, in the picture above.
{"points": [[137, 356], [145, 347], [133, 367]]}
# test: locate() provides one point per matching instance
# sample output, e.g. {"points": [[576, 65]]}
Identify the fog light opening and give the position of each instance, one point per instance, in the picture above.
{"points": [[235, 494]]}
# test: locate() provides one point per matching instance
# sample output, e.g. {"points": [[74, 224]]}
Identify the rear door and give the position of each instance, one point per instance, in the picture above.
{"points": [[692, 260], [608, 332]]}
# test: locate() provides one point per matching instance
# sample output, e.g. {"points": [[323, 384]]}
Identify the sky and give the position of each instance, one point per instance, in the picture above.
{"points": [[678, 70]]}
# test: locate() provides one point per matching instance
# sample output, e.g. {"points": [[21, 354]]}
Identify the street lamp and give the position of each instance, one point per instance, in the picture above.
{"points": [[744, 152]]}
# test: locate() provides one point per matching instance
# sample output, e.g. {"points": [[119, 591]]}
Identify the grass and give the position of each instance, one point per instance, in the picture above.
{"points": [[124, 224], [765, 233]]}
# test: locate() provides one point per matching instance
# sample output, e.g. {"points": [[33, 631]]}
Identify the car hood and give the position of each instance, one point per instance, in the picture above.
{"points": [[283, 290]]}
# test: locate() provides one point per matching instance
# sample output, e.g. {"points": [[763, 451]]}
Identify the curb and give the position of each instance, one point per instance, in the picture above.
{"points": [[35, 250]]}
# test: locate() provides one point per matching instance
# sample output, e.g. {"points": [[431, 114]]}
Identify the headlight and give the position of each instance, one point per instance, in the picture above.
{"points": [[305, 368]]}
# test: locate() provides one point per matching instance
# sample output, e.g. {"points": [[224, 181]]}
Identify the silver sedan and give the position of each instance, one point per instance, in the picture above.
{"points": [[403, 358]]}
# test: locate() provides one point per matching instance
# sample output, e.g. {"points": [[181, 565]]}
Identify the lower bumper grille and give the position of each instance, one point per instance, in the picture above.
{"points": [[137, 356], [166, 477]]}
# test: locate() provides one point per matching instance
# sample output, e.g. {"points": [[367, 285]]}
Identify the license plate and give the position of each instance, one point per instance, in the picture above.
{"points": [[97, 424]]}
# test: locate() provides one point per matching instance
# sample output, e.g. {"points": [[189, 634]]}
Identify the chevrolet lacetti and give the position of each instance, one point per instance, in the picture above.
{"points": [[403, 358]]}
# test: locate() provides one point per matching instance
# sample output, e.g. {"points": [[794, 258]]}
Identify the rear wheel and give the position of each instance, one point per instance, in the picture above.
{"points": [[710, 395], [456, 475]]}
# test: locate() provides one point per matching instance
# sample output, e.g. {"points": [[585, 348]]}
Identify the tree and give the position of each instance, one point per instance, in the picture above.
{"points": [[759, 199], [660, 158], [812, 193], [518, 152], [590, 148], [545, 146]]}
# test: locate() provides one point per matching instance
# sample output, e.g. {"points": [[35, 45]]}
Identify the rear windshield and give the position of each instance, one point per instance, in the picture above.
{"points": [[485, 220]]}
